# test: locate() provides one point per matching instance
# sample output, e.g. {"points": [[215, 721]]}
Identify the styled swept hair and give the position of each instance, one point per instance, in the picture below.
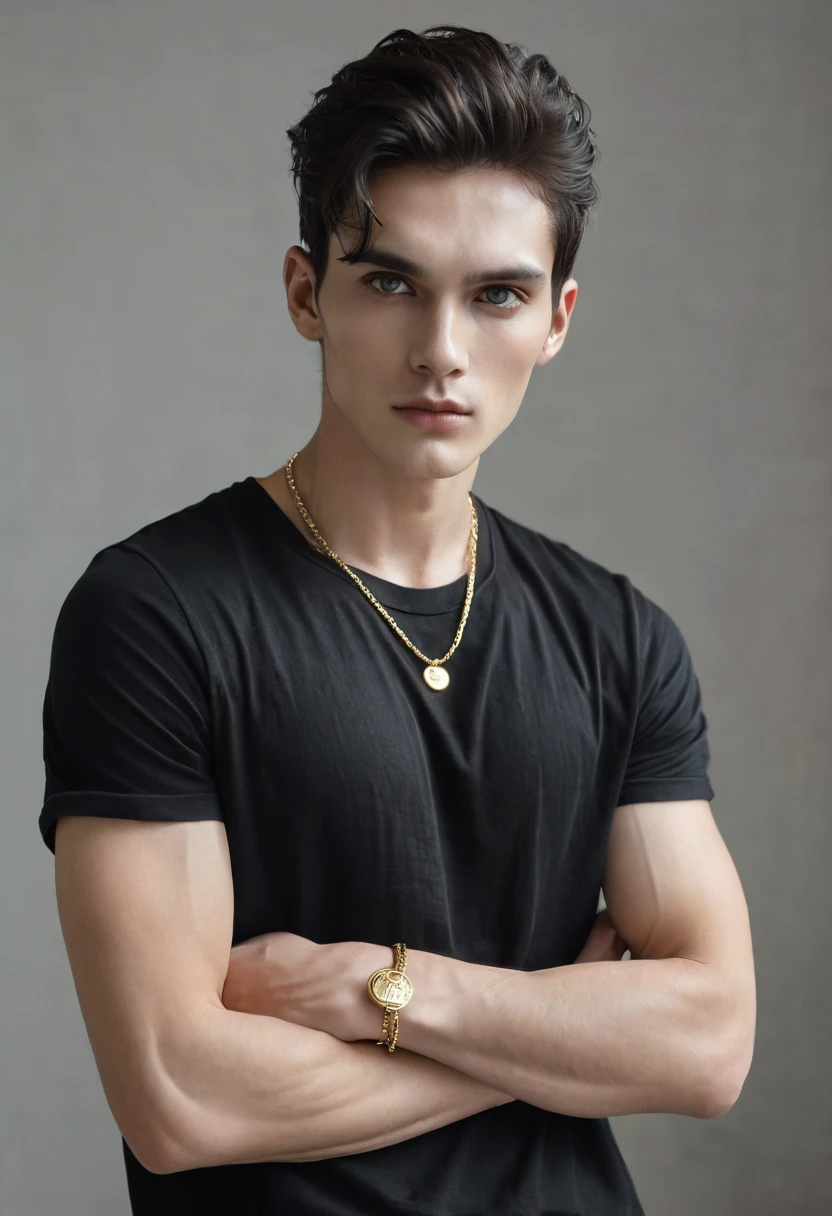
{"points": [[449, 98]]}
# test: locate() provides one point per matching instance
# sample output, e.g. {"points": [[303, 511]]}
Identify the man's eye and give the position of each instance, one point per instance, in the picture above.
{"points": [[393, 278], [384, 278], [509, 289]]}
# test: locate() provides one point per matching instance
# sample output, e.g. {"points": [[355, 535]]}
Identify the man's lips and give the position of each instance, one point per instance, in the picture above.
{"points": [[444, 405], [433, 419]]}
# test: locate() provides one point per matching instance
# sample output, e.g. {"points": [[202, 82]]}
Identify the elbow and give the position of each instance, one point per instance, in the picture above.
{"points": [[158, 1127], [722, 1095], [151, 1153], [725, 1048], [725, 1076], [170, 1131], [165, 1155], [157, 1163], [717, 1101], [168, 1162], [156, 1152], [169, 1144]]}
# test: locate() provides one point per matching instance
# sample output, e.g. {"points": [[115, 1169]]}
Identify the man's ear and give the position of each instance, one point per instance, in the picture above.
{"points": [[299, 281], [560, 323]]}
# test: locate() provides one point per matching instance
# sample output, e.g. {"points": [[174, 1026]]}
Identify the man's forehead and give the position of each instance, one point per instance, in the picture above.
{"points": [[417, 205], [485, 221]]}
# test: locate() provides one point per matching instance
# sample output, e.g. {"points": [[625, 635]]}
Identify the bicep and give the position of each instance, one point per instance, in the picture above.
{"points": [[673, 891], [670, 884], [146, 911]]}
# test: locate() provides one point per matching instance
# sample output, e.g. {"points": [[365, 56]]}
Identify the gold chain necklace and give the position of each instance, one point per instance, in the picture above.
{"points": [[434, 674]]}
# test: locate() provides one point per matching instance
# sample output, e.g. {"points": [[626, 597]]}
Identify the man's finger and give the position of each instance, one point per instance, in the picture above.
{"points": [[605, 943]]}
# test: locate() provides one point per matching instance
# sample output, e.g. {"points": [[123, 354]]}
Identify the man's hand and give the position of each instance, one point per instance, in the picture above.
{"points": [[605, 943], [321, 986]]}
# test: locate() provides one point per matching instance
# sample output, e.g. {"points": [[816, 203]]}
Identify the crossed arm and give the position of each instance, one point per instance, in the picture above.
{"points": [[277, 1063]]}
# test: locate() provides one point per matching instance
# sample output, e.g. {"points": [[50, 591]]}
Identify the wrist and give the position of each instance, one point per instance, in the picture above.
{"points": [[430, 1008], [361, 1014]]}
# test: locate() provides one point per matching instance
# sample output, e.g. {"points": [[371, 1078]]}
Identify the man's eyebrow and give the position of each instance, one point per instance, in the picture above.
{"points": [[523, 271]]}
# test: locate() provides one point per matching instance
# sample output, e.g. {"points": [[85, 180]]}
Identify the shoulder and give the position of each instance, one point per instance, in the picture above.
{"points": [[601, 615], [600, 609], [152, 585], [190, 544], [588, 587], [170, 560]]}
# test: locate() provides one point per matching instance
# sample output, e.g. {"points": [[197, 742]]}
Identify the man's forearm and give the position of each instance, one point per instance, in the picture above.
{"points": [[247, 1088], [590, 1039]]}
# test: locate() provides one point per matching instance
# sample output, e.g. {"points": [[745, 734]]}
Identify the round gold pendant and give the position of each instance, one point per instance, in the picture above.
{"points": [[389, 988], [436, 677]]}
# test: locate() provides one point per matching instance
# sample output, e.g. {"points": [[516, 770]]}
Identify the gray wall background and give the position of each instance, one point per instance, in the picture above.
{"points": [[682, 436]]}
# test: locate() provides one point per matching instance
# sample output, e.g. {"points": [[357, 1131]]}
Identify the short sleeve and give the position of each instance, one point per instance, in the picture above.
{"points": [[126, 723], [669, 754]]}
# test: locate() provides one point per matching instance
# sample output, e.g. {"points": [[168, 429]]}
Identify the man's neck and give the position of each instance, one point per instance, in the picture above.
{"points": [[414, 539]]}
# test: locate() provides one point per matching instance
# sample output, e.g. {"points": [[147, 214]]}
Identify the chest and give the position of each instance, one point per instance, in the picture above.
{"points": [[356, 795]]}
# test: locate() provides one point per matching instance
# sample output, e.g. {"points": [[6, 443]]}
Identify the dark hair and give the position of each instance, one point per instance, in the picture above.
{"points": [[449, 98]]}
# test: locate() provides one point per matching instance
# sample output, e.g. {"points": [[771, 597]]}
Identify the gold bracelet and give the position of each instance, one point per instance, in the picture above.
{"points": [[391, 989]]}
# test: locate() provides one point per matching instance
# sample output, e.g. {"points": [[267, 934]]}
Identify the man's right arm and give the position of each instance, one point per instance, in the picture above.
{"points": [[146, 910]]}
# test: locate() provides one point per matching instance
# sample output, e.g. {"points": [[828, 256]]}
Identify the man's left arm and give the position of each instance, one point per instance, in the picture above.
{"points": [[671, 1030]]}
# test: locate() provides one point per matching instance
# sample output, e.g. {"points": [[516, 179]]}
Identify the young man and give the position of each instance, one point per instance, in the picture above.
{"points": [[340, 758]]}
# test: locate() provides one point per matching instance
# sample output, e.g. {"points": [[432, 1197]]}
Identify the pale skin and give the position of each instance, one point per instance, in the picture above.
{"points": [[266, 1052], [671, 1030], [387, 497]]}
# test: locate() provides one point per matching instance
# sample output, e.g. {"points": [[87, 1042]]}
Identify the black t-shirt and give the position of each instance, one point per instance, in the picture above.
{"points": [[213, 665]]}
